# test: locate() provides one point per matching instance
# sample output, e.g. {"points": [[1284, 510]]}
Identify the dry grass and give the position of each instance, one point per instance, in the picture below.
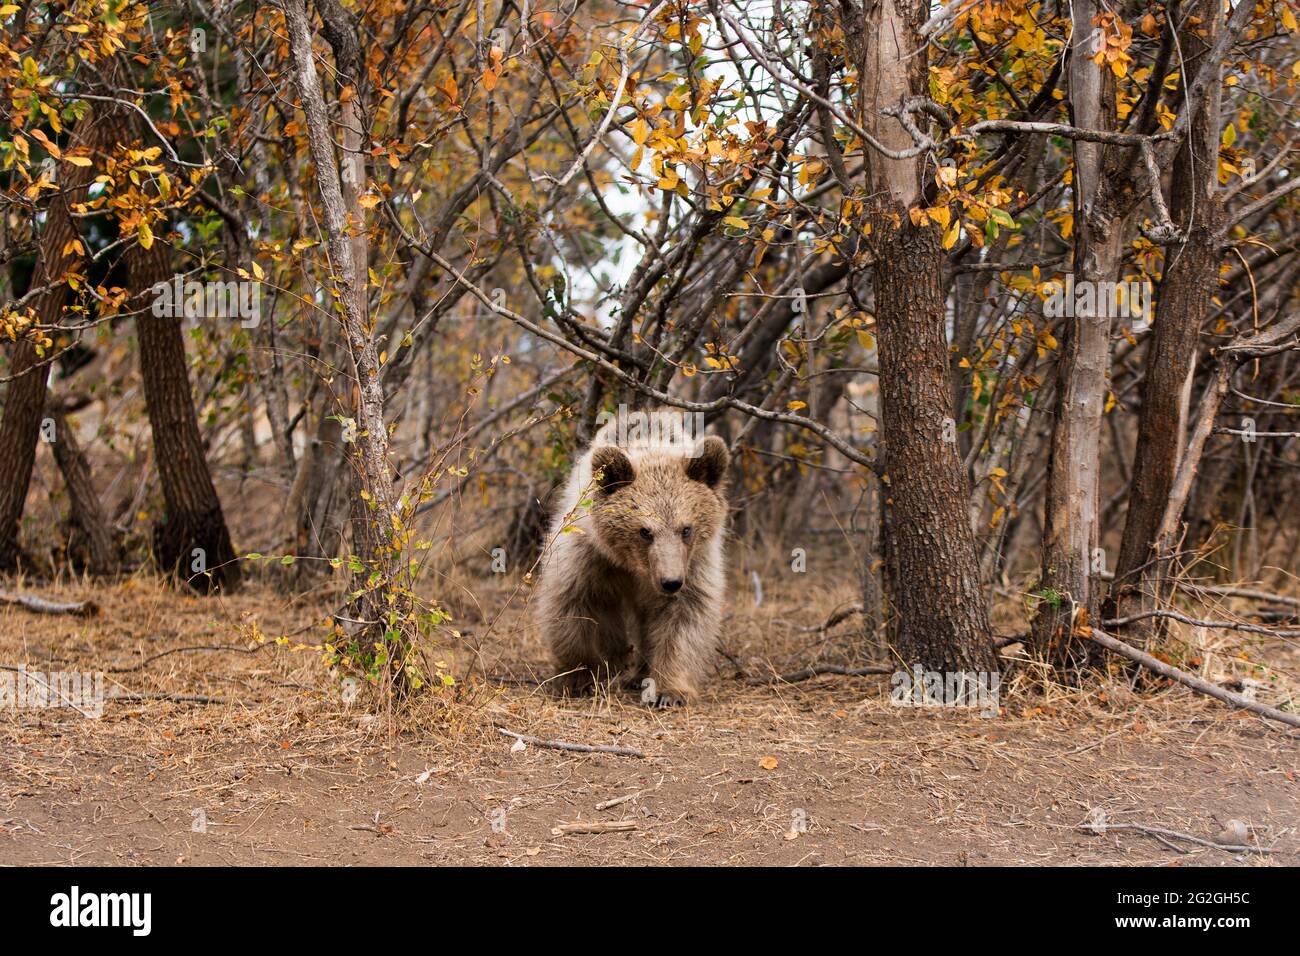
{"points": [[282, 771]]}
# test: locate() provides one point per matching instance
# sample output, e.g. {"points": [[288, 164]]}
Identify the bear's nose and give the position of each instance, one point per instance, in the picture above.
{"points": [[671, 585]]}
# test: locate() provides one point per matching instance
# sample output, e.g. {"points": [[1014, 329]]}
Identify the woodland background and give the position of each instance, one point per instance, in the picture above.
{"points": [[832, 228]]}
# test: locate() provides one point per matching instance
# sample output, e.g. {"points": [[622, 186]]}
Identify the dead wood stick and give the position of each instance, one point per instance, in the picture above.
{"points": [[185, 650], [839, 615], [575, 748], [44, 606], [1226, 590], [606, 804], [173, 697], [808, 673], [1160, 832], [1196, 622], [1192, 681], [594, 826]]}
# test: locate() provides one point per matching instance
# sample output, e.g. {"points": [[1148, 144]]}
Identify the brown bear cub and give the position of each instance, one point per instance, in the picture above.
{"points": [[632, 580]]}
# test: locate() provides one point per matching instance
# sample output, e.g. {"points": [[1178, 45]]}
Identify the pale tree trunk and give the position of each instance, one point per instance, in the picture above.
{"points": [[1189, 283], [382, 609], [943, 619], [1070, 532]]}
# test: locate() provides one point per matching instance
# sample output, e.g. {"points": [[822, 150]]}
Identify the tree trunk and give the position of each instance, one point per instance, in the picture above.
{"points": [[1073, 489], [191, 539], [24, 403], [383, 602], [943, 620], [1189, 283], [95, 537]]}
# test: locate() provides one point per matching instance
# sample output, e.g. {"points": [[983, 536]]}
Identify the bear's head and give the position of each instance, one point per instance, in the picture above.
{"points": [[654, 518]]}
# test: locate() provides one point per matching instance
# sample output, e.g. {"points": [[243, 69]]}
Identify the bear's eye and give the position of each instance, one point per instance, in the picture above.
{"points": [[686, 533], [647, 534]]}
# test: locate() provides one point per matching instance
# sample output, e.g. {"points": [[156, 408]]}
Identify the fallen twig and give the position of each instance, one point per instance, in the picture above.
{"points": [[606, 804], [176, 698], [575, 748], [1192, 681], [808, 673], [1226, 590], [1160, 833], [183, 650], [840, 614], [1195, 622], [44, 606], [594, 826]]}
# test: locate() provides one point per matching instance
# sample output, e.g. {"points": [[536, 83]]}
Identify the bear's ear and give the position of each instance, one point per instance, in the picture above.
{"points": [[710, 464], [614, 467]]}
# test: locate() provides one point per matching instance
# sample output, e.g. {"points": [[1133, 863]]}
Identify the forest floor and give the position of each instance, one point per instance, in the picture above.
{"points": [[274, 769]]}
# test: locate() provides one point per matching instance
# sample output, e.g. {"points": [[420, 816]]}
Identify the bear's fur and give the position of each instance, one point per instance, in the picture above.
{"points": [[634, 588]]}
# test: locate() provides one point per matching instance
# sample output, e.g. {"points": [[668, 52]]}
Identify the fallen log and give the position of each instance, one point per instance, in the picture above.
{"points": [[1191, 680], [44, 606]]}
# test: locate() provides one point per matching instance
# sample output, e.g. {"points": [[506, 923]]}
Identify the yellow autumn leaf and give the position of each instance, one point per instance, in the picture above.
{"points": [[952, 235], [145, 235], [769, 763], [736, 222], [44, 140]]}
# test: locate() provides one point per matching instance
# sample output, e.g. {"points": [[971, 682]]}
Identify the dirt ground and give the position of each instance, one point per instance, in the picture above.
{"points": [[271, 767]]}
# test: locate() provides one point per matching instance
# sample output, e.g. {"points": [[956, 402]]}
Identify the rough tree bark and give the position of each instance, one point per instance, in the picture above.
{"points": [[943, 618], [1189, 283], [24, 402], [87, 513], [191, 540]]}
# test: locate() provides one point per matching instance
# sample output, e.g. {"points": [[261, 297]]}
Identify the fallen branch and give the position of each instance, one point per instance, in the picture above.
{"points": [[575, 748], [1192, 681], [1195, 622], [1160, 832], [840, 615], [174, 698], [594, 826], [606, 804], [809, 673], [1225, 590], [43, 606], [185, 650]]}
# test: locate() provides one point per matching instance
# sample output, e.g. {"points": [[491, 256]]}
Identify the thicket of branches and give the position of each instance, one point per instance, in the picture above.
{"points": [[839, 230]]}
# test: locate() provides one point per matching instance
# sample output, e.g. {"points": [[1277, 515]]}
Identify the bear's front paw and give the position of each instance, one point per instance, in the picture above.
{"points": [[656, 698]]}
